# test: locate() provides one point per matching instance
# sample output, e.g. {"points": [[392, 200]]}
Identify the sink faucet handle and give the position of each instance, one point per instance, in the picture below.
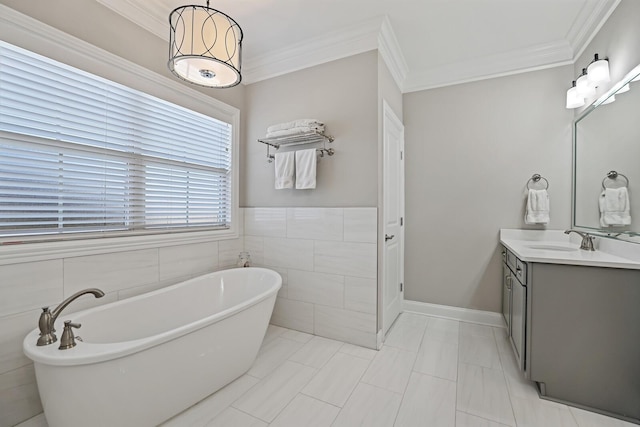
{"points": [[68, 340]]}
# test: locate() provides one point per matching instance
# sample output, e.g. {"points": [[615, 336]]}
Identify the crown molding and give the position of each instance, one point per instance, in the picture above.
{"points": [[503, 64], [378, 34], [145, 17], [391, 53], [587, 24], [311, 52]]}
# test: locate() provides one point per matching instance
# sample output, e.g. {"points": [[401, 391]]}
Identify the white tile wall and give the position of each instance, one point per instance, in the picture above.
{"points": [[329, 257], [29, 285], [270, 222], [315, 223], [110, 272]]}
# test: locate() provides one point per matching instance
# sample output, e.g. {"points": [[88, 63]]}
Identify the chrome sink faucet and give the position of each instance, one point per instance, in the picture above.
{"points": [[587, 240], [48, 318]]}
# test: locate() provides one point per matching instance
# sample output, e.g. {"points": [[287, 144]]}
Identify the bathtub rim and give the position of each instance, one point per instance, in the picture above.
{"points": [[85, 353]]}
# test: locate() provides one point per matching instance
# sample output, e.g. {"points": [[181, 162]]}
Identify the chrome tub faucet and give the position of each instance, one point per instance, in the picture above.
{"points": [[587, 240], [48, 318]]}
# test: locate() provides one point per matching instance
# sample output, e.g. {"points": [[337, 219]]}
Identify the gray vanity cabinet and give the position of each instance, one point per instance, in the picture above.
{"points": [[575, 331]]}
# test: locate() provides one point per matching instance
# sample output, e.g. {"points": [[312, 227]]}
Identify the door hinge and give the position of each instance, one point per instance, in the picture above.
{"points": [[401, 155], [401, 221], [401, 287]]}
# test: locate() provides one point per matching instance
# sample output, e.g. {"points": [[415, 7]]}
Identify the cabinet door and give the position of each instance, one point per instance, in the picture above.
{"points": [[506, 296], [518, 319]]}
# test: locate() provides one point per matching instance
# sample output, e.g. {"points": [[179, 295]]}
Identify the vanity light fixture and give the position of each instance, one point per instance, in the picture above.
{"points": [[574, 99], [585, 85], [205, 46]]}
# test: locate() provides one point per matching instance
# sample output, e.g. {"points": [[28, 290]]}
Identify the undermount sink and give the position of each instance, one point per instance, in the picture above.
{"points": [[552, 247]]}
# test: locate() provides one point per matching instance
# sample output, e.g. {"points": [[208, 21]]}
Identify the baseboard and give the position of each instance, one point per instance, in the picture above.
{"points": [[481, 317]]}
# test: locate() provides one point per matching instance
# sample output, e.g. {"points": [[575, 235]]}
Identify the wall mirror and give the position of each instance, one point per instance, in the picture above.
{"points": [[606, 155]]}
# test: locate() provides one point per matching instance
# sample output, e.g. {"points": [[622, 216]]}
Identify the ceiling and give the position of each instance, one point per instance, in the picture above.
{"points": [[425, 43]]}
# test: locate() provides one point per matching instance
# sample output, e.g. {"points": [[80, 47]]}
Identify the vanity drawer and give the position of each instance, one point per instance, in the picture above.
{"points": [[521, 271]]}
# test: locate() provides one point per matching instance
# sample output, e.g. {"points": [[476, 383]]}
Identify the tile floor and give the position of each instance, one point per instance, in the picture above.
{"points": [[430, 372]]}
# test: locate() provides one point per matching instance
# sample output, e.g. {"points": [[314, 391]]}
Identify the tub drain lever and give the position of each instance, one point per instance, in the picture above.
{"points": [[68, 340]]}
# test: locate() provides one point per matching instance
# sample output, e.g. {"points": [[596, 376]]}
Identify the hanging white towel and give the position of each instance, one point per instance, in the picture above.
{"points": [[284, 166], [537, 207], [306, 169], [614, 207]]}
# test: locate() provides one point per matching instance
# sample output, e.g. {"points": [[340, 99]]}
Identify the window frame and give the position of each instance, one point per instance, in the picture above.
{"points": [[28, 33]]}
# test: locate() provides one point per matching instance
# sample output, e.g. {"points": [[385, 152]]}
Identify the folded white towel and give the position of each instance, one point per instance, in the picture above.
{"points": [[295, 130], [306, 169], [284, 166], [293, 124], [537, 207], [614, 207]]}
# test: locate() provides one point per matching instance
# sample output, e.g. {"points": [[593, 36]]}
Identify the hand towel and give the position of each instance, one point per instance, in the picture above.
{"points": [[295, 130], [614, 207], [537, 207], [284, 166], [306, 169], [310, 123]]}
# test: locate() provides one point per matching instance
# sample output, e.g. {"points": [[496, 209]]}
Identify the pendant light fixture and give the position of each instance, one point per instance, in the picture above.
{"points": [[205, 46]]}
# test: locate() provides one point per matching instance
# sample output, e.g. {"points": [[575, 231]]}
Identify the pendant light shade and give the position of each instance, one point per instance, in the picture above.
{"points": [[598, 71], [574, 100], [205, 46]]}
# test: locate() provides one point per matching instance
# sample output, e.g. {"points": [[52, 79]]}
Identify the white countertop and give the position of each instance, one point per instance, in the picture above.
{"points": [[545, 246]]}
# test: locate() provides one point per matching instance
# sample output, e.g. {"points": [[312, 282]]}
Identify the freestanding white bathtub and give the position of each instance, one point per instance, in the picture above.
{"points": [[147, 358]]}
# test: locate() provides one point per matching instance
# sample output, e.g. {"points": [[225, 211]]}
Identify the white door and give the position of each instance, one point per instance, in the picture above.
{"points": [[392, 218]]}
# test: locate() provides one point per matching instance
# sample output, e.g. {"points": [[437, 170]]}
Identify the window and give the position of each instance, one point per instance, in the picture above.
{"points": [[81, 156]]}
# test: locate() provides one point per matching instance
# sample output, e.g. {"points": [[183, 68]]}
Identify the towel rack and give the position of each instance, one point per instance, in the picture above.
{"points": [[311, 137], [613, 175], [536, 178]]}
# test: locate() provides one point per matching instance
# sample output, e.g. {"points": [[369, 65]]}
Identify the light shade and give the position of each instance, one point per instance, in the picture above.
{"points": [[598, 71], [205, 46], [574, 100], [586, 87]]}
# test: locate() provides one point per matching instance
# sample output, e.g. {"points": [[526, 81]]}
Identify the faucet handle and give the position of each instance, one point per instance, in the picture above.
{"points": [[68, 340]]}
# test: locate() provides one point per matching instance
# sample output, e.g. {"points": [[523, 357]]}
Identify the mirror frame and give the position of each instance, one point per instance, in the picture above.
{"points": [[628, 236]]}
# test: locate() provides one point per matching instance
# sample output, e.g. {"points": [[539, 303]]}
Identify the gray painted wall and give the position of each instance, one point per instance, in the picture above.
{"points": [[470, 150], [343, 94]]}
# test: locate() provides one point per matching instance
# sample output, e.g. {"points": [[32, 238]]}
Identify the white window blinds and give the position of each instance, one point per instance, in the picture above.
{"points": [[81, 154]]}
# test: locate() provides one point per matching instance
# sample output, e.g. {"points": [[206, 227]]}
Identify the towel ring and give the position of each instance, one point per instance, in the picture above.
{"points": [[613, 175], [536, 178]]}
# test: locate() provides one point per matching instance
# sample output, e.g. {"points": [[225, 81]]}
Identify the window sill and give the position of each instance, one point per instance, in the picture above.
{"points": [[41, 251]]}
